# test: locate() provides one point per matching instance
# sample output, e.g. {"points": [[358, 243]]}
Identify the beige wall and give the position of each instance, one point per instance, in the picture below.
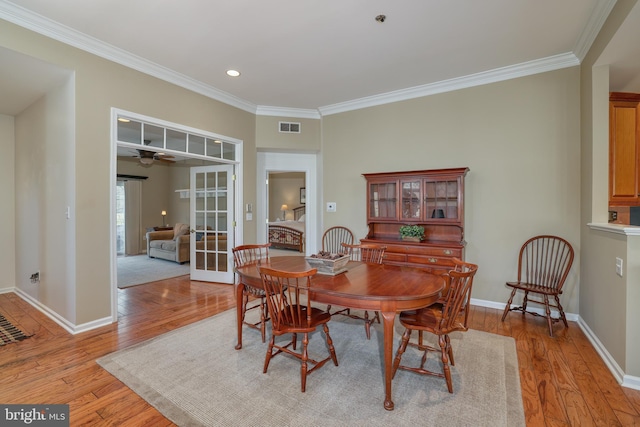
{"points": [[520, 139], [7, 212], [269, 137], [284, 189], [607, 301], [157, 194], [101, 85], [44, 176]]}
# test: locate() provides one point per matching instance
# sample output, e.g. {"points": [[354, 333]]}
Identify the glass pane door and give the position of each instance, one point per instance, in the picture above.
{"points": [[212, 195], [383, 200]]}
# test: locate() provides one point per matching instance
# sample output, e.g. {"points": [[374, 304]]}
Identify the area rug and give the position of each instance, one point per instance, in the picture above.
{"points": [[195, 377], [139, 269], [9, 333]]}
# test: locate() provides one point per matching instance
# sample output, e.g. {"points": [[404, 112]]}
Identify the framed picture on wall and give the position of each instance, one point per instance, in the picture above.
{"points": [[303, 195]]}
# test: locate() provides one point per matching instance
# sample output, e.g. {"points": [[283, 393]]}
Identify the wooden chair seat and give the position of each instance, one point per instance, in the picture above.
{"points": [[533, 287], [316, 317]]}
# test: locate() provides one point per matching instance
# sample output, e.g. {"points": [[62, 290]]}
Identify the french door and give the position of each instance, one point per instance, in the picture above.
{"points": [[212, 219]]}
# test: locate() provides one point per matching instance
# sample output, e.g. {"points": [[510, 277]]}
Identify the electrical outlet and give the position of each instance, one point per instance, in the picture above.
{"points": [[619, 266], [613, 216]]}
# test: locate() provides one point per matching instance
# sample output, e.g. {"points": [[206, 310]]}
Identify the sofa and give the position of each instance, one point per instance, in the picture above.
{"points": [[172, 245]]}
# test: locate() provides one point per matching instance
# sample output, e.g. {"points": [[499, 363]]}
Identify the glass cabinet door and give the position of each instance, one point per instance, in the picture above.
{"points": [[411, 200], [382, 200], [441, 200]]}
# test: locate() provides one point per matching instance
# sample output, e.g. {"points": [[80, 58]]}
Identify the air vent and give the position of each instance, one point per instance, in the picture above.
{"points": [[289, 127]]}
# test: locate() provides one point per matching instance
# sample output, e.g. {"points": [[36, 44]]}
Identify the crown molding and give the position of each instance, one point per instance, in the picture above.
{"points": [[49, 28], [594, 25], [499, 74], [299, 113], [64, 34]]}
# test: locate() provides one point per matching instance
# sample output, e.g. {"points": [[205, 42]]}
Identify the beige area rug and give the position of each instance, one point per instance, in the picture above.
{"points": [[195, 377], [139, 269]]}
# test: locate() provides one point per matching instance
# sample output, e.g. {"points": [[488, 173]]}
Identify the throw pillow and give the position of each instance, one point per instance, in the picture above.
{"points": [[302, 218], [179, 230]]}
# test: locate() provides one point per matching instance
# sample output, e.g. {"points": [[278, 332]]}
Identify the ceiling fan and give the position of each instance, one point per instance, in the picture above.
{"points": [[147, 157]]}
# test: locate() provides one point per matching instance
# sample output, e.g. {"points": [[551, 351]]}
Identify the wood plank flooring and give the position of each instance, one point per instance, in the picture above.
{"points": [[564, 382]]}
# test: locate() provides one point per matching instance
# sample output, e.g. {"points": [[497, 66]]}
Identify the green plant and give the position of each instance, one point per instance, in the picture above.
{"points": [[412, 231]]}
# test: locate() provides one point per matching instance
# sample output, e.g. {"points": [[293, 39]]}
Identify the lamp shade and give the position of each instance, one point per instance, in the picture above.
{"points": [[284, 208], [163, 213]]}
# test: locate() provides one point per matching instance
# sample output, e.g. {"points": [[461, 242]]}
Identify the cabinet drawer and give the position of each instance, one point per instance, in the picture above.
{"points": [[429, 260], [435, 251], [394, 257]]}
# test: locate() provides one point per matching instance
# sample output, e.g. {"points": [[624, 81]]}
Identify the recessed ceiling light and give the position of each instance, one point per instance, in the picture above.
{"points": [[233, 73], [123, 120]]}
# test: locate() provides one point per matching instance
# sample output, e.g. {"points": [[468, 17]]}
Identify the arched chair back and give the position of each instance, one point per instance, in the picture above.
{"points": [[334, 237], [371, 254]]}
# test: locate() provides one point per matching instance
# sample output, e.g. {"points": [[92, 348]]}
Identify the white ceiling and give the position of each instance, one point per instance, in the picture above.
{"points": [[314, 55]]}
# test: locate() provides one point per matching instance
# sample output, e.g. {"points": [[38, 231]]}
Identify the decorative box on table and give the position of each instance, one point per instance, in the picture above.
{"points": [[329, 266]]}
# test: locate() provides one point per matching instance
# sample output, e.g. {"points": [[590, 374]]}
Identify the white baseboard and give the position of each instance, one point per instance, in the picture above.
{"points": [[64, 323], [539, 310]]}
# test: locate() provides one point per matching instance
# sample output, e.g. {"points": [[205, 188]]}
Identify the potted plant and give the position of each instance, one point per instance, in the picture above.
{"points": [[413, 233]]}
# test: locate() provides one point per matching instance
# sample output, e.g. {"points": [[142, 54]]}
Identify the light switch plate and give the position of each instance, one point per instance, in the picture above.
{"points": [[619, 265]]}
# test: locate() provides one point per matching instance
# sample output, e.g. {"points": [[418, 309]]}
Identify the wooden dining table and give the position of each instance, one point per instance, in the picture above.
{"points": [[387, 289]]}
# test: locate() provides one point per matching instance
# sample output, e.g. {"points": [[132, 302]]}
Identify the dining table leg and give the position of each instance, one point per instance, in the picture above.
{"points": [[388, 319], [239, 292]]}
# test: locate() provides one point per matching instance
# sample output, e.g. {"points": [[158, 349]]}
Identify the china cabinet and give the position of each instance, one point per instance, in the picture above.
{"points": [[433, 199]]}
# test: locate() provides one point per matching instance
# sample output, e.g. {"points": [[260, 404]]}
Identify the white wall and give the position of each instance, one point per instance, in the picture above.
{"points": [[7, 212]]}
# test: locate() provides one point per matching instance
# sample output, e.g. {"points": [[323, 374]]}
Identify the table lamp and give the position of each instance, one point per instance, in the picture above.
{"points": [[164, 214], [284, 213]]}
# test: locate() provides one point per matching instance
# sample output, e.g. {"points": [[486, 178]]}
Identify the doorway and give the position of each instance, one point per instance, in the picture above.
{"points": [[268, 163], [149, 141]]}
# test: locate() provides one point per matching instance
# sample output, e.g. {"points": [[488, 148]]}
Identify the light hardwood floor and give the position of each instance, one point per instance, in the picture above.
{"points": [[564, 382]]}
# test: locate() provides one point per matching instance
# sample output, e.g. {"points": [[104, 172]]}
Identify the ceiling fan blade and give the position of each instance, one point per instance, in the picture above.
{"points": [[162, 159]]}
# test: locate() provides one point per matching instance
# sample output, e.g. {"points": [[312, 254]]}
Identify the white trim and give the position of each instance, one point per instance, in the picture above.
{"points": [[237, 163], [62, 33], [64, 323], [47, 27], [289, 162], [627, 230], [539, 310], [299, 113], [593, 27], [550, 63], [602, 351]]}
